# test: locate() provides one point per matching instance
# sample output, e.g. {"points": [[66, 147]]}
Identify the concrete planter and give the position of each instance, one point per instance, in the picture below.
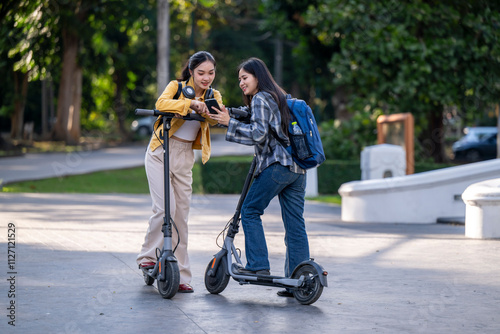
{"points": [[418, 198], [482, 209]]}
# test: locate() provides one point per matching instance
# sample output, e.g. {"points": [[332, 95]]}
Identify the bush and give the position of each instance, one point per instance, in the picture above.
{"points": [[428, 166], [226, 175], [346, 139], [332, 173]]}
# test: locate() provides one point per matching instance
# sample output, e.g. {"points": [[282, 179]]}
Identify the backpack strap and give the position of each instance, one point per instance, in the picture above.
{"points": [[179, 90], [275, 135], [209, 93], [281, 141], [176, 96], [291, 108]]}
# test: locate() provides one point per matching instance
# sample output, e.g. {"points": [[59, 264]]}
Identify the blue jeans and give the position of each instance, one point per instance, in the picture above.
{"points": [[290, 188]]}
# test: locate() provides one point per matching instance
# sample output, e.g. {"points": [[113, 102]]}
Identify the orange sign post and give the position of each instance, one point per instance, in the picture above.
{"points": [[398, 129]]}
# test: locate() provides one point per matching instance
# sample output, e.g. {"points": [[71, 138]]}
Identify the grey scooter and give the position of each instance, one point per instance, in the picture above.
{"points": [[166, 269], [307, 279]]}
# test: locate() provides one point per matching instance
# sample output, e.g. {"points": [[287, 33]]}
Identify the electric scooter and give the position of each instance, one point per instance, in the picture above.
{"points": [[166, 269], [307, 279]]}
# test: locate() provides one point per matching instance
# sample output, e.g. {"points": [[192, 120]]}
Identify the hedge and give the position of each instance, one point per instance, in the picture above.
{"points": [[226, 175], [332, 173]]}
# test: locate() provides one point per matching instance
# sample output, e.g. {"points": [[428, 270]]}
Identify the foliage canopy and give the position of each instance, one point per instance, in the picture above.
{"points": [[351, 60]]}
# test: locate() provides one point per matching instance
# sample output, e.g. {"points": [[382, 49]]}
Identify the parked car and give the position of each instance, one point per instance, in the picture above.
{"points": [[479, 143], [143, 126]]}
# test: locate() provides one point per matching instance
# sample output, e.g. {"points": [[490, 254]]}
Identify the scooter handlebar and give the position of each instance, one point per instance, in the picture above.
{"points": [[239, 114], [146, 112], [155, 112]]}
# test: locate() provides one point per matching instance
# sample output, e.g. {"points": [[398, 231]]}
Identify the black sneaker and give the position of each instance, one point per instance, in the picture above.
{"points": [[241, 270], [284, 293]]}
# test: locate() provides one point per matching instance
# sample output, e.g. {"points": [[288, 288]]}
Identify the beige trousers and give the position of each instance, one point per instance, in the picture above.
{"points": [[181, 177]]}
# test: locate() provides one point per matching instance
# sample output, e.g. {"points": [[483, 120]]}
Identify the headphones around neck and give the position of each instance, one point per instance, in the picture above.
{"points": [[189, 92]]}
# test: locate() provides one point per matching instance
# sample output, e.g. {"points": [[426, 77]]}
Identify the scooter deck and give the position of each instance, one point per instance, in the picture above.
{"points": [[260, 276]]}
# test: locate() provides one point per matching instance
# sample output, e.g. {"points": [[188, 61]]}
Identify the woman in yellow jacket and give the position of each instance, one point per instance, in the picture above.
{"points": [[185, 136]]}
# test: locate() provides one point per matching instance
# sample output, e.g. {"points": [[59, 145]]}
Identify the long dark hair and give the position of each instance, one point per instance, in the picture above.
{"points": [[266, 83], [195, 61]]}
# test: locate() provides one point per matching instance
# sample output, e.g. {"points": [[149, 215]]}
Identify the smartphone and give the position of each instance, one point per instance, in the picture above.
{"points": [[211, 103]]}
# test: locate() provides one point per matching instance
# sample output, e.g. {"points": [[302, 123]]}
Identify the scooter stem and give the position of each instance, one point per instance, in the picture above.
{"points": [[248, 181], [167, 233]]}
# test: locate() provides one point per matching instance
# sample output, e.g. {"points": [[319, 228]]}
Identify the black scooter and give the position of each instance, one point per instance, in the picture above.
{"points": [[166, 269], [307, 279]]}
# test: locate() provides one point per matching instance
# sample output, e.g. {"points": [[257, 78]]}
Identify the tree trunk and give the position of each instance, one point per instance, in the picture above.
{"points": [[66, 86], [119, 79], [432, 138], [45, 117], [339, 104], [163, 40], [278, 59], [497, 112], [74, 109], [21, 92]]}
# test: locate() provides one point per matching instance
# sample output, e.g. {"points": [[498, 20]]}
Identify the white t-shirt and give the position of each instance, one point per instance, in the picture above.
{"points": [[189, 130]]}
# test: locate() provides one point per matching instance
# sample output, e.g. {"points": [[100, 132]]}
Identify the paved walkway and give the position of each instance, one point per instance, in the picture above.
{"points": [[40, 166], [75, 272], [69, 267]]}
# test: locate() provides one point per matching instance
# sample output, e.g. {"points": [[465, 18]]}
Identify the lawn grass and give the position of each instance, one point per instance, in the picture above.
{"points": [[127, 181], [330, 199], [121, 181]]}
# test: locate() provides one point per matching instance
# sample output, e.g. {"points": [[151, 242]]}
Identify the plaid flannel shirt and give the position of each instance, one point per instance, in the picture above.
{"points": [[265, 114]]}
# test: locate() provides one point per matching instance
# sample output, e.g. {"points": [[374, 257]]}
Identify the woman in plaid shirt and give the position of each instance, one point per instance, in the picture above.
{"points": [[276, 174]]}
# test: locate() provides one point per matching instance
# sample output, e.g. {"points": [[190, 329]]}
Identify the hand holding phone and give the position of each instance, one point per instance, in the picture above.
{"points": [[211, 103]]}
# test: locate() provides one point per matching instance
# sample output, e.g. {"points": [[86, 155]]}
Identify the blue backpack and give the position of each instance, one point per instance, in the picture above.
{"points": [[306, 147]]}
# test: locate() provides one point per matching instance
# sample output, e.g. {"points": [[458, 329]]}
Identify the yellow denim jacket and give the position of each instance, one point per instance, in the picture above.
{"points": [[182, 106]]}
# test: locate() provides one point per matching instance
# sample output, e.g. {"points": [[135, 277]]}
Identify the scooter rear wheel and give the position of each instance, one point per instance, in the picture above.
{"points": [[147, 279], [170, 286], [311, 289], [216, 284]]}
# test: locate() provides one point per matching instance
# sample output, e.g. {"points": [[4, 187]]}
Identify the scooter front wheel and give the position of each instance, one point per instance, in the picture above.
{"points": [[311, 288], [217, 283], [170, 286]]}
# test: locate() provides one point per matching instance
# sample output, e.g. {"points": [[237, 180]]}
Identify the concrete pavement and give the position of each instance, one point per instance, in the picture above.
{"points": [[69, 267], [74, 272]]}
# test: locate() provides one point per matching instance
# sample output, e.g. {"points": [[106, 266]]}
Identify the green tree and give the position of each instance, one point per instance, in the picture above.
{"points": [[73, 29], [413, 56], [235, 35], [305, 59], [123, 43], [230, 30], [26, 49]]}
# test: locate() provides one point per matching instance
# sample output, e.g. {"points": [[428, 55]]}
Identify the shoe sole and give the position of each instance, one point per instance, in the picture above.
{"points": [[285, 294]]}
